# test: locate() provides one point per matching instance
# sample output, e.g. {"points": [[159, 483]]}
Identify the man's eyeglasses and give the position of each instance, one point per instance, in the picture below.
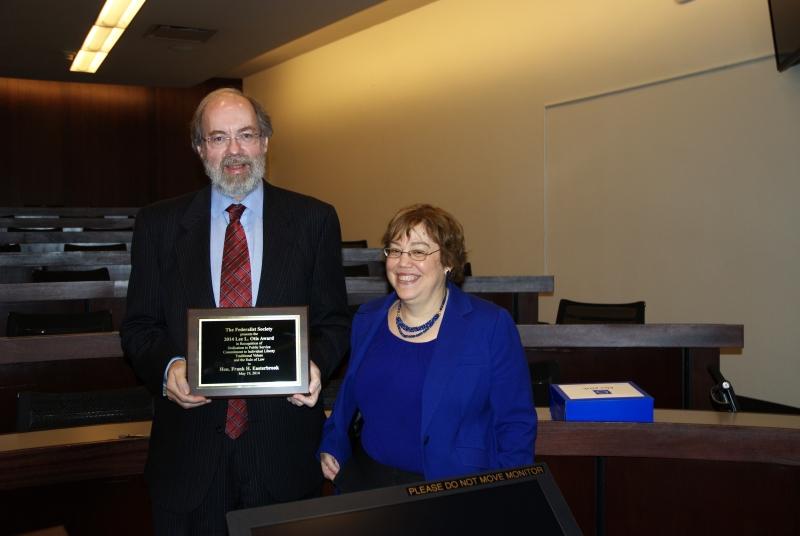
{"points": [[415, 254], [245, 139]]}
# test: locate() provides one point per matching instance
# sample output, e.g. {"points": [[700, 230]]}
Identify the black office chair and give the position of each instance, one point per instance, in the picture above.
{"points": [[28, 324], [543, 374], [33, 229], [10, 248], [354, 244], [95, 247], [55, 276], [45, 411], [356, 270], [572, 312], [106, 229]]}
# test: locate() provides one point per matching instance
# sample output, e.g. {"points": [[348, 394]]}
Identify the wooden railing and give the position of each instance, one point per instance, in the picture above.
{"points": [[87, 290], [92, 345], [70, 212], [595, 463], [68, 223], [759, 444], [632, 335], [674, 434]]}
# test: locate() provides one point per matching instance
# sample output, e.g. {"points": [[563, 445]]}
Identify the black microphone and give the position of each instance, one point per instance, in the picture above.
{"points": [[724, 388]]}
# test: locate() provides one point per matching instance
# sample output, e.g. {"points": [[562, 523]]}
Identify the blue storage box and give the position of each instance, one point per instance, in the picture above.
{"points": [[600, 402]]}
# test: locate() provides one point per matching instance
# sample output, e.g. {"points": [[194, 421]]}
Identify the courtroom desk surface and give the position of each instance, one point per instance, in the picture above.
{"points": [[40, 348], [79, 435], [32, 460], [665, 419], [678, 434], [48, 457]]}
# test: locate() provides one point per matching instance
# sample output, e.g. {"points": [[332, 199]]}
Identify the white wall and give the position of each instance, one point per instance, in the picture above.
{"points": [[685, 194], [472, 105]]}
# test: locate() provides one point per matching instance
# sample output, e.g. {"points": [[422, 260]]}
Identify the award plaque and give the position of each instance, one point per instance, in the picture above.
{"points": [[253, 351]]}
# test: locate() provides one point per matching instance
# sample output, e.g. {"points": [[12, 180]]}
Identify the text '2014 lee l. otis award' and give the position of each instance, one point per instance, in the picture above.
{"points": [[257, 351]]}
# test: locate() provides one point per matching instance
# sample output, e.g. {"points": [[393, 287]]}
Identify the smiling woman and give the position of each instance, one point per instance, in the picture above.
{"points": [[438, 376]]}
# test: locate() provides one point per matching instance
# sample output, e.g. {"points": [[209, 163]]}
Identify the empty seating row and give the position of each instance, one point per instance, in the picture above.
{"points": [[83, 355], [51, 229]]}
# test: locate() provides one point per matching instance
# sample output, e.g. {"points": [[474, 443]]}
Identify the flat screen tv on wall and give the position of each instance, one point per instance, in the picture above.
{"points": [[785, 16]]}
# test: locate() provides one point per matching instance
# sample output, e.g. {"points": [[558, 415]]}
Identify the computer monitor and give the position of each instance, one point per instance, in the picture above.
{"points": [[496, 502]]}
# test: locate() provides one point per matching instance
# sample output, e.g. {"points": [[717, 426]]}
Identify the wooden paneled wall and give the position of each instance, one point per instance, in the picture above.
{"points": [[97, 144]]}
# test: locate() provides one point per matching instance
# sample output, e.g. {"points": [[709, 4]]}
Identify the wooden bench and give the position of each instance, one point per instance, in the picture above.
{"points": [[105, 223], [590, 460], [59, 363], [18, 267], [48, 229], [68, 212], [81, 258], [32, 361], [518, 294]]}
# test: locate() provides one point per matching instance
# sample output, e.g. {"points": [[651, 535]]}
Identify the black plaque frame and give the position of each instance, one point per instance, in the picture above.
{"points": [[232, 381]]}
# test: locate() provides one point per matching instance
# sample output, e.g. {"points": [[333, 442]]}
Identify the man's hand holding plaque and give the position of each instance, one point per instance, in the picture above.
{"points": [[314, 388], [177, 387]]}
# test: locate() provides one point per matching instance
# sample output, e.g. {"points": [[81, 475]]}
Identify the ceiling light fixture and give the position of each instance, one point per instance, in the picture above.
{"points": [[114, 18]]}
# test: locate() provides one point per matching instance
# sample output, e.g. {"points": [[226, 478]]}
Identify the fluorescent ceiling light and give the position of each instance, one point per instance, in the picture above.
{"points": [[115, 16]]}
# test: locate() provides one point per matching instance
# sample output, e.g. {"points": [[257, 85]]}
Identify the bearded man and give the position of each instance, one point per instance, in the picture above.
{"points": [[198, 467]]}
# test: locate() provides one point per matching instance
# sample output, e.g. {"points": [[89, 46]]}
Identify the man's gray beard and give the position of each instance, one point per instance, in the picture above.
{"points": [[234, 185]]}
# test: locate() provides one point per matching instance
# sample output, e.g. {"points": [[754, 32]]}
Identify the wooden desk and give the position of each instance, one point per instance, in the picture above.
{"points": [[76, 362], [518, 294], [107, 450], [70, 212], [678, 434], [64, 237], [55, 259], [77, 258], [669, 361], [59, 363], [71, 454], [24, 350], [377, 286], [67, 223], [690, 472], [88, 479], [73, 290]]}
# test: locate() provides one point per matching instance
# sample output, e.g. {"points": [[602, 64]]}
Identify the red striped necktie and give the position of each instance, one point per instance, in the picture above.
{"points": [[235, 291]]}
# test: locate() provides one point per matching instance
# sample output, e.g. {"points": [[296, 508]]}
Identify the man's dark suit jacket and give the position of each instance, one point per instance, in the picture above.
{"points": [[170, 273]]}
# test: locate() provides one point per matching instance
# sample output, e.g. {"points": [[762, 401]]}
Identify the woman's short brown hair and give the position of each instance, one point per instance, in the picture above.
{"points": [[441, 226]]}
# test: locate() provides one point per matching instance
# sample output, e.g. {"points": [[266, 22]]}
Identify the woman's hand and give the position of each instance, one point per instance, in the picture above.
{"points": [[330, 466]]}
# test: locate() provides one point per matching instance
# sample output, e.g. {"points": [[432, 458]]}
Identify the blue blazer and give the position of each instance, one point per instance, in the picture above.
{"points": [[477, 406]]}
